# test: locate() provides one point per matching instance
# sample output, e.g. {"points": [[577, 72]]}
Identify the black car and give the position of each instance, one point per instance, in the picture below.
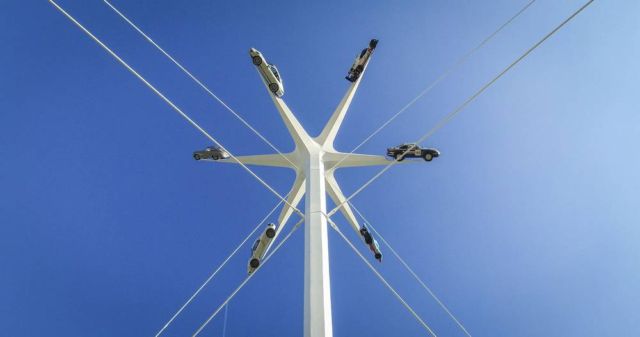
{"points": [[368, 239], [375, 248], [360, 62], [412, 151], [371, 242]]}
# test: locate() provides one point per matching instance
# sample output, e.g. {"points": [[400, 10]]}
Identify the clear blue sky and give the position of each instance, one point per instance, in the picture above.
{"points": [[527, 225]]}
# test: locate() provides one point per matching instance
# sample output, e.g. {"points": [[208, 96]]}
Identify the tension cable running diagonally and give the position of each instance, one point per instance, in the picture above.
{"points": [[233, 294], [384, 281], [215, 272], [439, 79], [224, 326], [195, 79], [410, 270], [447, 118], [172, 105]]}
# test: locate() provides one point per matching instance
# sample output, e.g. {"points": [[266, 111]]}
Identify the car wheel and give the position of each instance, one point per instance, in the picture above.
{"points": [[428, 157], [215, 157], [271, 233], [274, 87], [254, 263], [399, 157], [257, 60], [196, 156]]}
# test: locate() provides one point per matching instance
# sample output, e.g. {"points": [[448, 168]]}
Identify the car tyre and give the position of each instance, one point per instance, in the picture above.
{"points": [[428, 157], [196, 156], [254, 263], [257, 60], [271, 233], [215, 157], [274, 87], [399, 157]]}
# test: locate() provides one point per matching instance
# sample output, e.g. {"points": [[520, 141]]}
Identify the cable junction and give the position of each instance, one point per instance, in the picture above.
{"points": [[384, 281], [447, 118], [172, 105], [215, 272], [195, 79], [410, 270], [233, 294], [439, 79]]}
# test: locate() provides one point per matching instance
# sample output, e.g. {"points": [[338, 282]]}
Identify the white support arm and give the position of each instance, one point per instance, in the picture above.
{"points": [[297, 132], [357, 160], [274, 160], [295, 195], [338, 198], [328, 134]]}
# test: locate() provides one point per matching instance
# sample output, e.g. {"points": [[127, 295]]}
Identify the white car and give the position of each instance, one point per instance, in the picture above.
{"points": [[361, 61], [268, 71], [260, 247]]}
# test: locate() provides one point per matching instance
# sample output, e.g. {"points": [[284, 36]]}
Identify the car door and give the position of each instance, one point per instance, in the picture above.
{"points": [[417, 151], [276, 75]]}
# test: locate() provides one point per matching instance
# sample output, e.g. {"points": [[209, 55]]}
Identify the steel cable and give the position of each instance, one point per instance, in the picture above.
{"points": [[243, 283], [461, 107], [384, 281], [212, 275], [439, 79], [410, 270], [195, 79], [172, 105]]}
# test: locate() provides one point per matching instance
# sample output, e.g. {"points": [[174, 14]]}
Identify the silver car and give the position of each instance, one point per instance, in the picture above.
{"points": [[268, 71], [211, 152], [260, 247]]}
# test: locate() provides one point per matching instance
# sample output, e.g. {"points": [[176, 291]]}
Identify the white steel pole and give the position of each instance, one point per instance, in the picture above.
{"points": [[317, 287]]}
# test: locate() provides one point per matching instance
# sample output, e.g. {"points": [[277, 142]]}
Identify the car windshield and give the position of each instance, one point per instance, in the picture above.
{"points": [[274, 70], [255, 246]]}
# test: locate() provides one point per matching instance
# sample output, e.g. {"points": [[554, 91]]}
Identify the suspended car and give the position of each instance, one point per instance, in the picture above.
{"points": [[403, 151], [361, 61], [211, 152], [268, 71], [371, 242], [368, 239], [375, 248], [259, 248]]}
